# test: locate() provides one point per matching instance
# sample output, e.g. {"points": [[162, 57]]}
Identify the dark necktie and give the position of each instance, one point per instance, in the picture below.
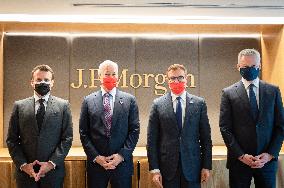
{"points": [[107, 112], [253, 102], [40, 113], [179, 114]]}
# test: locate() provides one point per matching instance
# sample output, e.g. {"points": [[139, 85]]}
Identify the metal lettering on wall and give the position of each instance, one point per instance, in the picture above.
{"points": [[135, 80]]}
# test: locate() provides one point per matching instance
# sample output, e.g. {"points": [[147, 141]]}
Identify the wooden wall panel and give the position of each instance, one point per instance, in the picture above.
{"points": [[75, 176], [272, 44], [1, 87]]}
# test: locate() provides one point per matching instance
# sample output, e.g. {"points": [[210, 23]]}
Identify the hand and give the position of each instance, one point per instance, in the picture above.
{"points": [[28, 169], [157, 179], [247, 159], [261, 160], [102, 160], [205, 173], [114, 160], [44, 168]]}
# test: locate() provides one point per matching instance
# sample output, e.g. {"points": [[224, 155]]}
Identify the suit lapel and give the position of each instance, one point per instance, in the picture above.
{"points": [[49, 111], [117, 107], [31, 106], [98, 106], [168, 107], [242, 93], [189, 109], [261, 98]]}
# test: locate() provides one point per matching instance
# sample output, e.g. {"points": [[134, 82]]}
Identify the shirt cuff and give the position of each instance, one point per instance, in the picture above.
{"points": [[54, 165], [155, 171], [22, 166]]}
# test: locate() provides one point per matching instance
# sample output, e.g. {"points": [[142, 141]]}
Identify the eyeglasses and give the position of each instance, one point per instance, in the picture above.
{"points": [[178, 78]]}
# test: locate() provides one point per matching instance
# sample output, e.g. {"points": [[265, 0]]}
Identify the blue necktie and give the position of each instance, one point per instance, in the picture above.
{"points": [[179, 114], [253, 103]]}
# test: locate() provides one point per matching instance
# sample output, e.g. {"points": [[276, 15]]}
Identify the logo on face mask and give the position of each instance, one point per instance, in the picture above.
{"points": [[177, 87], [42, 88], [249, 73], [109, 82]]}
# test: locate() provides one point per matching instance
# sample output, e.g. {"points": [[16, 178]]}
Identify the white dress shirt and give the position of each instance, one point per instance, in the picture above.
{"points": [[255, 82], [37, 104], [112, 94]]}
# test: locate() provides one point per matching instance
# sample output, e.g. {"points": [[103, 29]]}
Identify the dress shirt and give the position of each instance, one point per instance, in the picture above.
{"points": [[183, 103], [255, 82], [112, 94]]}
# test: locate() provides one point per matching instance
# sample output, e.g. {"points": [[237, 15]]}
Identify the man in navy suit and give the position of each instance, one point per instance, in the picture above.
{"points": [[252, 125], [109, 131], [179, 142]]}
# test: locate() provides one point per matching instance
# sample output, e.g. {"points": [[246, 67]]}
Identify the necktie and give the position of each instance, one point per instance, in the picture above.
{"points": [[40, 113], [107, 112], [179, 114], [253, 102]]}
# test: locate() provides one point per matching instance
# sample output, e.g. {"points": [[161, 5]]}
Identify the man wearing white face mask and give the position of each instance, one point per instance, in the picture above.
{"points": [[40, 134], [179, 145], [252, 125]]}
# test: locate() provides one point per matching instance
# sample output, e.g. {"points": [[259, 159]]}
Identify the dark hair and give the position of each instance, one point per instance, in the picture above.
{"points": [[45, 68]]}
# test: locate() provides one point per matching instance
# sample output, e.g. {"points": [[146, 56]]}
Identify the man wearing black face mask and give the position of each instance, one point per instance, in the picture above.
{"points": [[252, 125], [40, 134]]}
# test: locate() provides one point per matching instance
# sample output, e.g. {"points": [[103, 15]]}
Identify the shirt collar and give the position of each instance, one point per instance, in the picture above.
{"points": [[182, 96], [255, 82], [112, 92], [46, 97]]}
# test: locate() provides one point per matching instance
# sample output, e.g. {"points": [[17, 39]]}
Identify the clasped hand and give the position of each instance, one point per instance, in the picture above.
{"points": [[110, 162], [44, 168], [256, 161]]}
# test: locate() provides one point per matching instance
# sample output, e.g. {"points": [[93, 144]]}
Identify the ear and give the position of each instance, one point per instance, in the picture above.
{"points": [[238, 66], [32, 83], [51, 83]]}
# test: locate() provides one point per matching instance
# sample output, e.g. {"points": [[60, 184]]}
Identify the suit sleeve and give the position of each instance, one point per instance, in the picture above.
{"points": [[205, 139], [133, 131], [84, 129], [152, 139], [65, 143], [13, 139], [278, 132], [226, 127]]}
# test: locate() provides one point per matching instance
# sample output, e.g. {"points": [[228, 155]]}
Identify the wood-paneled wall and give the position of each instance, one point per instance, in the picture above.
{"points": [[272, 45], [272, 42]]}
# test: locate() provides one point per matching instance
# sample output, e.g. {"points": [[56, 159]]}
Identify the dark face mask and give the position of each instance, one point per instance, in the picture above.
{"points": [[42, 88], [249, 73]]}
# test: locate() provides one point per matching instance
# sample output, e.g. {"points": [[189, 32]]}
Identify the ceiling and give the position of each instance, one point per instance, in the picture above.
{"points": [[152, 11]]}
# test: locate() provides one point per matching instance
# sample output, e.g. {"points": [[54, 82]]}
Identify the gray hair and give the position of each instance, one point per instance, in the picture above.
{"points": [[249, 52], [107, 63]]}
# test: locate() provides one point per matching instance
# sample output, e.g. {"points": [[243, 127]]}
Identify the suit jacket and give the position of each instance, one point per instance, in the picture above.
{"points": [[124, 129], [164, 144], [241, 133], [26, 144]]}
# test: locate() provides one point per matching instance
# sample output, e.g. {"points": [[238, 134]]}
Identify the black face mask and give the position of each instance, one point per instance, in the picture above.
{"points": [[249, 73], [42, 88]]}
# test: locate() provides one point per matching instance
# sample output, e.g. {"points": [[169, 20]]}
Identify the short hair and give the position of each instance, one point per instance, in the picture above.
{"points": [[43, 67], [249, 52], [105, 63], [175, 67]]}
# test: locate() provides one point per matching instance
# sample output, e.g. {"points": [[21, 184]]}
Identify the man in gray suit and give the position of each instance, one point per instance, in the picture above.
{"points": [[40, 134], [179, 145], [252, 125], [109, 130]]}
